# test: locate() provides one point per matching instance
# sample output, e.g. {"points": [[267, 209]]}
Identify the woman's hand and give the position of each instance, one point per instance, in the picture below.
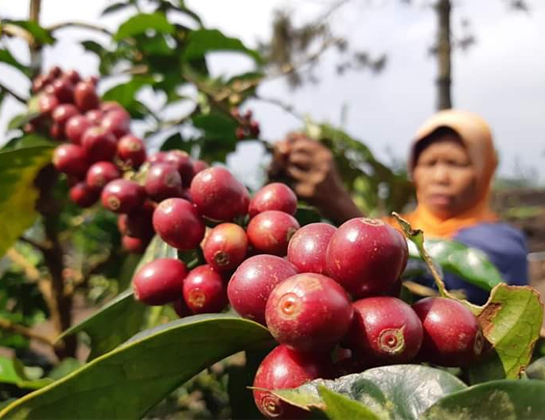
{"points": [[313, 175]]}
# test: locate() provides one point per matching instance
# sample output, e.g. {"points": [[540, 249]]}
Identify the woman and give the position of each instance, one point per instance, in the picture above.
{"points": [[452, 162]]}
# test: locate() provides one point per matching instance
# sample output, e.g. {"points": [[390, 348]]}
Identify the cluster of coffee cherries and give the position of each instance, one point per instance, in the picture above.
{"points": [[248, 127], [329, 296], [103, 160]]}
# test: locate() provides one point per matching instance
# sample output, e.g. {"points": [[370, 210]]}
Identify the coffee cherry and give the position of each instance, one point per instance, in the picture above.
{"points": [[38, 83], [385, 330], [254, 129], [284, 368], [131, 150], [308, 312], [178, 223], [108, 106], [95, 116], [47, 103], [182, 162], [62, 113], [99, 144], [307, 247], [117, 121], [366, 256], [122, 196], [160, 281], [199, 166], [122, 224], [72, 76], [452, 335], [225, 247], [63, 90], [204, 290], [54, 72], [181, 309], [275, 196], [252, 283], [83, 195], [270, 232], [56, 131], [157, 157], [134, 245], [85, 96], [218, 195], [163, 181], [71, 160], [92, 80], [138, 223], [75, 127], [101, 173]]}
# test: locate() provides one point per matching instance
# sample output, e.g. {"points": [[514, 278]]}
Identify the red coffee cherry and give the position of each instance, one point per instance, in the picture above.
{"points": [[204, 290], [275, 196], [99, 144], [83, 195], [163, 181], [71, 160], [101, 173], [270, 232], [75, 127], [160, 281], [307, 247], [122, 196], [452, 335], [252, 283], [385, 330], [366, 256], [86, 97], [131, 150], [225, 247], [308, 312], [178, 223], [183, 164], [134, 245], [117, 121]]}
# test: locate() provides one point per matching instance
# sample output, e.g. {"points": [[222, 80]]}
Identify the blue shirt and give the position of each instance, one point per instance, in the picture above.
{"points": [[505, 247]]}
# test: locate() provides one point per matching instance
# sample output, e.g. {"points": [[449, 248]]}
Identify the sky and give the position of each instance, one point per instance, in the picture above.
{"points": [[502, 77]]}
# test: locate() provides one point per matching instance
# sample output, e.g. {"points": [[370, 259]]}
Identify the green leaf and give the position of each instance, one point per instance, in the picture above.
{"points": [[127, 382], [339, 407], [123, 316], [115, 7], [469, 264], [64, 368], [399, 391], [94, 47], [537, 369], [41, 35], [506, 399], [203, 41], [216, 126], [12, 372], [511, 322], [125, 93], [8, 58], [20, 120], [143, 22], [18, 169], [306, 214]]}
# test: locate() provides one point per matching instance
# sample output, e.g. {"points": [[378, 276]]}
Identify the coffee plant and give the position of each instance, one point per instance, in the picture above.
{"points": [[216, 301]]}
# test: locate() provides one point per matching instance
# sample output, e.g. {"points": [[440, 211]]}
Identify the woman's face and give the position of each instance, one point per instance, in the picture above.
{"points": [[445, 179]]}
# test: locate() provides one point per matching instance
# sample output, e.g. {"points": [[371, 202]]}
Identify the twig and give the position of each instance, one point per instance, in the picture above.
{"points": [[39, 246], [12, 93], [31, 272], [22, 330], [82, 25], [288, 108]]}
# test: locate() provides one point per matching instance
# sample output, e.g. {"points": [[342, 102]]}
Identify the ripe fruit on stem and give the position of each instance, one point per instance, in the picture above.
{"points": [[99, 144], [218, 195], [225, 246], [163, 181], [275, 196], [160, 281], [308, 312], [182, 162], [204, 290], [71, 160], [85, 96], [117, 121], [307, 247], [134, 245], [63, 113], [83, 195], [366, 256], [122, 196], [385, 330], [270, 232], [75, 127], [452, 335], [252, 283], [178, 223], [131, 150], [100, 173], [285, 368]]}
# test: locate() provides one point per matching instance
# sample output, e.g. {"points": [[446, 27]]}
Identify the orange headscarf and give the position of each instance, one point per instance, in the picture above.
{"points": [[477, 138]]}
